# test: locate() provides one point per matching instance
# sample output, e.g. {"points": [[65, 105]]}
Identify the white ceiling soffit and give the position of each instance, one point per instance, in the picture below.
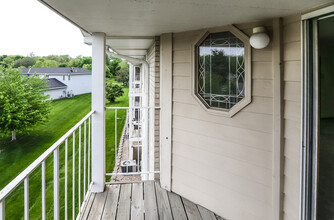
{"points": [[147, 18], [130, 46], [154, 17]]}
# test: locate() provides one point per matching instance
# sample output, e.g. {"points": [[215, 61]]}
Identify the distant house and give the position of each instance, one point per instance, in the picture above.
{"points": [[64, 81], [57, 89]]}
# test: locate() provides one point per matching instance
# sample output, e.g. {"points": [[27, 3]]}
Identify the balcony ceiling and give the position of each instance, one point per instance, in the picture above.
{"points": [[133, 18]]}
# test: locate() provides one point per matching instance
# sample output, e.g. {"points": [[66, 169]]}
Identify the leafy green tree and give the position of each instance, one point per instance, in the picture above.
{"points": [[18, 57], [2, 57], [113, 91], [22, 101], [85, 60], [8, 61], [74, 63], [26, 62], [61, 59], [123, 73], [46, 63], [87, 66], [114, 66]]}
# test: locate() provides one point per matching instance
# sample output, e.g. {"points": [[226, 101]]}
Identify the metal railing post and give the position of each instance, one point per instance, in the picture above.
{"points": [[98, 104], [56, 184]]}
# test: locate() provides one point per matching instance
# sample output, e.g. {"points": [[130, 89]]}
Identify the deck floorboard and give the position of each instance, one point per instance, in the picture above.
{"points": [[143, 200]]}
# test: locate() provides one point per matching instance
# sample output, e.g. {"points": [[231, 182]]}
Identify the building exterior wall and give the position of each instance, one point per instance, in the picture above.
{"points": [[56, 93], [76, 84], [153, 58], [224, 164], [292, 115]]}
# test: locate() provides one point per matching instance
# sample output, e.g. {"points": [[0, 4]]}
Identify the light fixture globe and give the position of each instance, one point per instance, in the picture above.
{"points": [[260, 38]]}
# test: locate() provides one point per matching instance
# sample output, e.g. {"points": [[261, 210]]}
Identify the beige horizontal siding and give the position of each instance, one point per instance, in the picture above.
{"points": [[251, 138], [247, 120], [225, 148], [153, 58], [291, 67], [262, 70], [224, 164], [235, 206], [292, 115], [229, 169]]}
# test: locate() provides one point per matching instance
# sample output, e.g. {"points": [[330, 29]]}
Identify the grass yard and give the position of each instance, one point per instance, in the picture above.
{"points": [[16, 156]]}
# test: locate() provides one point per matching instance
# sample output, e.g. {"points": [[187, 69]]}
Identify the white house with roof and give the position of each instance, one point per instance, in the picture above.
{"points": [[66, 81], [56, 89]]}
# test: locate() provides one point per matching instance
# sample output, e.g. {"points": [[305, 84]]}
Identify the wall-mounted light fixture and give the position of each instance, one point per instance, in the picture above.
{"points": [[260, 38]]}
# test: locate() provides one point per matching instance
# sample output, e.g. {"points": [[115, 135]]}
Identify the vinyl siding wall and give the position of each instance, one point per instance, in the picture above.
{"points": [[292, 115], [153, 58], [224, 164]]}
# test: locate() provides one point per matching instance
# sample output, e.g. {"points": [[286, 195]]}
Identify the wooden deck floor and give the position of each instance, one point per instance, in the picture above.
{"points": [[143, 200]]}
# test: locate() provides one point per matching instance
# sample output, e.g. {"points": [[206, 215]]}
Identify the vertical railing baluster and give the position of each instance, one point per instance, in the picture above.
{"points": [[89, 133], [138, 157], [79, 171], [66, 157], [56, 184], [115, 136], [139, 124], [56, 175], [26, 198], [73, 178], [2, 209], [43, 192], [85, 135]]}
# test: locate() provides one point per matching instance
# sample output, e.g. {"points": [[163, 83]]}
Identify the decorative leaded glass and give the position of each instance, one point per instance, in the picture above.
{"points": [[221, 70]]}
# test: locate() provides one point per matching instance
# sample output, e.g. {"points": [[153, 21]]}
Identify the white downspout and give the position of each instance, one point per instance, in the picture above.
{"points": [[145, 67], [130, 148]]}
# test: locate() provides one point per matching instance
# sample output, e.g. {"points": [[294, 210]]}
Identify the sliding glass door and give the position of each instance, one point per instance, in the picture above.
{"points": [[318, 119]]}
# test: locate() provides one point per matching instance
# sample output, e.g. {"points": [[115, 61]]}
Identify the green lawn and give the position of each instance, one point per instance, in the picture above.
{"points": [[16, 156]]}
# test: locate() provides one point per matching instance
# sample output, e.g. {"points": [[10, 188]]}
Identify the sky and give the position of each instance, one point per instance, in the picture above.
{"points": [[27, 27]]}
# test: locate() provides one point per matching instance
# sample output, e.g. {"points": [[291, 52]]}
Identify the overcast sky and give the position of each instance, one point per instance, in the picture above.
{"points": [[28, 26]]}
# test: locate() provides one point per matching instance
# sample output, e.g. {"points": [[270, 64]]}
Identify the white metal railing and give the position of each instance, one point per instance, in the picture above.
{"points": [[23, 177], [138, 141]]}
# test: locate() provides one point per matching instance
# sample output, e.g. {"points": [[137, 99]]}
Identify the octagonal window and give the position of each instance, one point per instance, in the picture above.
{"points": [[221, 70]]}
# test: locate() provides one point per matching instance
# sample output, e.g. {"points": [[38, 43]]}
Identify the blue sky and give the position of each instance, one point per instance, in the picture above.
{"points": [[28, 26]]}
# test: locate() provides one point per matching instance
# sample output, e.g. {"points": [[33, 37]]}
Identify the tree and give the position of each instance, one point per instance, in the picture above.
{"points": [[46, 63], [74, 62], [26, 62], [8, 61], [114, 66], [123, 73], [22, 101], [113, 91], [85, 60], [87, 66]]}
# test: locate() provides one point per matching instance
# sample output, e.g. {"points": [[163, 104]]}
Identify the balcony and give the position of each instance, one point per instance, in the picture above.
{"points": [[142, 200], [73, 174], [137, 200]]}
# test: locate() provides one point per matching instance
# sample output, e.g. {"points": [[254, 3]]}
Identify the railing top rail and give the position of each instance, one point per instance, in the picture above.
{"points": [[145, 107], [19, 179]]}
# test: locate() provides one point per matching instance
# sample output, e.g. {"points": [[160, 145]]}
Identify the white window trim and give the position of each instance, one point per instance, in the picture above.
{"points": [[248, 74]]}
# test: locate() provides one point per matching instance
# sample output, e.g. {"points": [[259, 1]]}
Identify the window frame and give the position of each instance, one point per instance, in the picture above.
{"points": [[248, 74]]}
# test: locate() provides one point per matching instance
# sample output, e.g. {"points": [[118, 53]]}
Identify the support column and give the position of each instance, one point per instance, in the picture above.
{"points": [[145, 144], [98, 104], [166, 89]]}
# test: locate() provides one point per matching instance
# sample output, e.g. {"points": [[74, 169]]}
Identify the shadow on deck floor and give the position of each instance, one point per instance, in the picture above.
{"points": [[142, 200]]}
